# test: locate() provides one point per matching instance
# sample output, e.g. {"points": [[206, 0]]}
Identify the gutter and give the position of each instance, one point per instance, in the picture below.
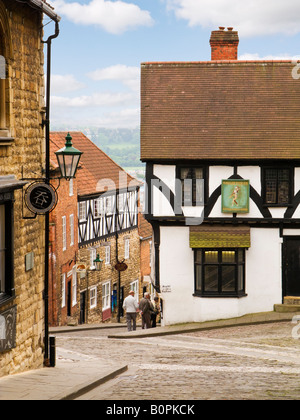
{"points": [[44, 8]]}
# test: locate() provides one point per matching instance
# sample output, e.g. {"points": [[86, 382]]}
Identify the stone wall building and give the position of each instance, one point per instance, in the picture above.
{"points": [[22, 141]]}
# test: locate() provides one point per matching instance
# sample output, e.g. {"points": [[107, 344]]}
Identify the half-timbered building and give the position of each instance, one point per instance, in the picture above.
{"points": [[107, 215], [221, 143]]}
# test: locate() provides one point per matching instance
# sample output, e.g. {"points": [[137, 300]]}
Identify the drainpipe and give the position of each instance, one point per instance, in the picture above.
{"points": [[46, 123]]}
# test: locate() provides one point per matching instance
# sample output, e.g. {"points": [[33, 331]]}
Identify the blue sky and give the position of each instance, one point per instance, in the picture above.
{"points": [[96, 58]]}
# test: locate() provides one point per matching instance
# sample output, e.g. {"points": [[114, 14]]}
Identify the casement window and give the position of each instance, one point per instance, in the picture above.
{"points": [[220, 272], [105, 296], [192, 185], [63, 290], [74, 286], [98, 208], [127, 249], [64, 233], [71, 229], [93, 256], [108, 205], [93, 297], [107, 254], [277, 186], [82, 211]]}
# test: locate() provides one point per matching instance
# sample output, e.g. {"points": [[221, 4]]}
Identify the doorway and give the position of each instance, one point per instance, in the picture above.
{"points": [[82, 307], [291, 266]]}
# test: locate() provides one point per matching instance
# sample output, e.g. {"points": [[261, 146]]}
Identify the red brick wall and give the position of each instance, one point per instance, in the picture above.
{"points": [[62, 261]]}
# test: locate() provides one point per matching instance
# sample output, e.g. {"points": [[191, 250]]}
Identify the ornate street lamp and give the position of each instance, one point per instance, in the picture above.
{"points": [[98, 263], [68, 159]]}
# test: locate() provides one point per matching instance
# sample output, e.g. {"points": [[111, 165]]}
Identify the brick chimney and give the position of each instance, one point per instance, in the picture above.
{"points": [[224, 44]]}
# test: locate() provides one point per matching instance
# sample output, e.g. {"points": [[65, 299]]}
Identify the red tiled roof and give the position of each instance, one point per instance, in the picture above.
{"points": [[145, 229], [95, 165], [220, 110]]}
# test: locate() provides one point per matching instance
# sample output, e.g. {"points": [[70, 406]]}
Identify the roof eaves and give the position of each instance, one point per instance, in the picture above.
{"points": [[45, 8]]}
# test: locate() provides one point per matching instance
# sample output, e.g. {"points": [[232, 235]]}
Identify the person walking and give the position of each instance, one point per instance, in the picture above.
{"points": [[156, 311], [131, 306], [146, 309]]}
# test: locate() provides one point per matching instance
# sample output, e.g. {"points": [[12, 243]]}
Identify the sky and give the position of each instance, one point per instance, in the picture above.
{"points": [[96, 59]]}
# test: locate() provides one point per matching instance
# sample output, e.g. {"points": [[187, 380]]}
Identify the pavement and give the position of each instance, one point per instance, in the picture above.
{"points": [[74, 374]]}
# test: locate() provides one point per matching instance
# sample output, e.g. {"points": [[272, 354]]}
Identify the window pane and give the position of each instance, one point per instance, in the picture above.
{"points": [[185, 173], [211, 278], [211, 257], [228, 278], [271, 186], [283, 192], [241, 283], [198, 173], [199, 278], [228, 256]]}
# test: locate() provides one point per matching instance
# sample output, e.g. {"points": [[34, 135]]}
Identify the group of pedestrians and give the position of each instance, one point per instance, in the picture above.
{"points": [[146, 308]]}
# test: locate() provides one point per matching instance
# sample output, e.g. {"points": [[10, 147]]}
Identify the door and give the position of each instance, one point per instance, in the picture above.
{"points": [[82, 307], [291, 266]]}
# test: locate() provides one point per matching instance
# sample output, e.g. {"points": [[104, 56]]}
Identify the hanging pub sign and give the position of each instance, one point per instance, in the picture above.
{"points": [[121, 266], [235, 196], [40, 198]]}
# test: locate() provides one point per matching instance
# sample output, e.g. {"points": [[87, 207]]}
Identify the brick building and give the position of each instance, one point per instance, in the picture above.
{"points": [[106, 224], [22, 145]]}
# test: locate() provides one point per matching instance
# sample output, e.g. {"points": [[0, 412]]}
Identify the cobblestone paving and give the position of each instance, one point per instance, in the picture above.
{"points": [[259, 362]]}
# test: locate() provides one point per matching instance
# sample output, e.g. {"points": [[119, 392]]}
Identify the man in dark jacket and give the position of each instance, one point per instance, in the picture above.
{"points": [[146, 309]]}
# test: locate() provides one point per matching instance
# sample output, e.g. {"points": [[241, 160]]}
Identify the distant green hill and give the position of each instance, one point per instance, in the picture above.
{"points": [[122, 145]]}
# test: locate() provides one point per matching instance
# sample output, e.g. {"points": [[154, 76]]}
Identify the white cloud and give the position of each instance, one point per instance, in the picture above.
{"points": [[129, 76], [64, 83], [115, 17], [250, 18], [249, 56], [94, 100]]}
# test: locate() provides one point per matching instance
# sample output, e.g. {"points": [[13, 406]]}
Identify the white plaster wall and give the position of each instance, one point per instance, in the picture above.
{"points": [[216, 174], [263, 279], [160, 204]]}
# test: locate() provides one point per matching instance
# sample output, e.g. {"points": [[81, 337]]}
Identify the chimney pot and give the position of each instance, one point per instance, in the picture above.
{"points": [[230, 29], [221, 28]]}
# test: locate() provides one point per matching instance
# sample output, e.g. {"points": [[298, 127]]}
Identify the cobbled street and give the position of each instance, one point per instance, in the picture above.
{"points": [[258, 362]]}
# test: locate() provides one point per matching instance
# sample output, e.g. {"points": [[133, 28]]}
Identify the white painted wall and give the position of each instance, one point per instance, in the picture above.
{"points": [[263, 279]]}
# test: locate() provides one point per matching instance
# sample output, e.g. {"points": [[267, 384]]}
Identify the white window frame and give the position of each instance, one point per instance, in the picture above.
{"points": [[127, 249], [106, 296], [64, 233], [72, 228], [107, 254], [63, 290], [98, 207], [93, 256], [135, 287], [74, 286], [93, 297], [82, 211]]}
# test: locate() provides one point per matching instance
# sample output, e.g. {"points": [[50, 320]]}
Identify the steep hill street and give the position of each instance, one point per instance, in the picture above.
{"points": [[260, 362]]}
